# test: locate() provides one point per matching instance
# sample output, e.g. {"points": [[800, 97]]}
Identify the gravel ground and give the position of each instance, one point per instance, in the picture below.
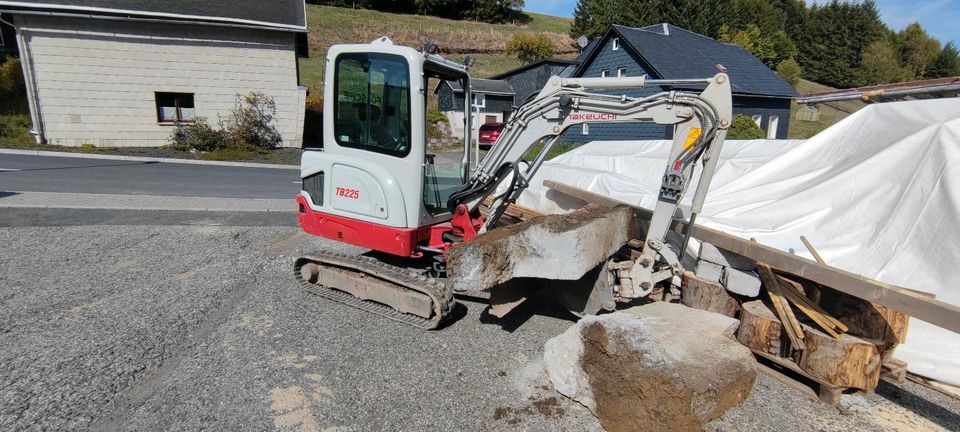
{"points": [[183, 327]]}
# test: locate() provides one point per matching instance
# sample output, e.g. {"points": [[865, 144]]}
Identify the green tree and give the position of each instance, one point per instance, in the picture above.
{"points": [[880, 64], [529, 47], [13, 88], [790, 70], [917, 50], [744, 127], [947, 63], [771, 49], [834, 36]]}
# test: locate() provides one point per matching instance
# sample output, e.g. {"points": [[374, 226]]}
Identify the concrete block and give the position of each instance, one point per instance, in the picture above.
{"points": [[746, 283], [709, 271], [558, 247], [723, 258]]}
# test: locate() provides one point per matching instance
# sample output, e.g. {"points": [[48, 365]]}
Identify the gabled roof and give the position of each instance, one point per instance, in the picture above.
{"points": [[486, 86], [673, 52], [550, 61], [280, 14]]}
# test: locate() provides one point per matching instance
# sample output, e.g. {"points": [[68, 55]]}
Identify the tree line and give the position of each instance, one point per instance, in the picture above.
{"points": [[839, 43], [492, 11]]}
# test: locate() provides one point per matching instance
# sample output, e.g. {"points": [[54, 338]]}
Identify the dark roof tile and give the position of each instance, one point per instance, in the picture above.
{"points": [[288, 14], [685, 54]]}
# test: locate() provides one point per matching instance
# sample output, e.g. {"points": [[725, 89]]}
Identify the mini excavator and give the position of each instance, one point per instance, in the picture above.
{"points": [[373, 183]]}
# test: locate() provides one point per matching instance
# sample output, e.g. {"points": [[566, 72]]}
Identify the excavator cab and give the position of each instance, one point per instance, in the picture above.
{"points": [[373, 183]]}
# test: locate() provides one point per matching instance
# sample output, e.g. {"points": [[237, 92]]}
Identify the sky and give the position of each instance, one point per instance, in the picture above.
{"points": [[938, 17]]}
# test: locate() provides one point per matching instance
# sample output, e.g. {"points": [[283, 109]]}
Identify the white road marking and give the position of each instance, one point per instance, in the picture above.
{"points": [[296, 182], [9, 169]]}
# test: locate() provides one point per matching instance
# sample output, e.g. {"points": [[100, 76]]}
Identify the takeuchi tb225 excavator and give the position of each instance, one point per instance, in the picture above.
{"points": [[373, 184]]}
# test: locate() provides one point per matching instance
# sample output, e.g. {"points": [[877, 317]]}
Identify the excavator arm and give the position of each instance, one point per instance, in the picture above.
{"points": [[700, 122]]}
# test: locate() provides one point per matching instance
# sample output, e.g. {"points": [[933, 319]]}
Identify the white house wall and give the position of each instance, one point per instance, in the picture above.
{"points": [[96, 79]]}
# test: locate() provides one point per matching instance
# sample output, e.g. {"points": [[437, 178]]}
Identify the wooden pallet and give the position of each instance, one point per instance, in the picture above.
{"points": [[788, 373], [894, 372]]}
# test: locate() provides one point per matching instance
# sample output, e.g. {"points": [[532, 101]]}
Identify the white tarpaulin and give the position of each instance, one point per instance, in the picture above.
{"points": [[877, 194]]}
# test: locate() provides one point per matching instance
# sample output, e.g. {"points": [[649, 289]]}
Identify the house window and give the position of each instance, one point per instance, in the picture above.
{"points": [[479, 100], [175, 107], [758, 119], [604, 73], [616, 44], [622, 72], [772, 123]]}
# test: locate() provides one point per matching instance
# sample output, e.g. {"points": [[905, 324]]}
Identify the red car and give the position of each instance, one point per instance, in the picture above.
{"points": [[489, 133]]}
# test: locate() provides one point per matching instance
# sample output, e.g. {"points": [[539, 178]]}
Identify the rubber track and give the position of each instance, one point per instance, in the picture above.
{"points": [[440, 295]]}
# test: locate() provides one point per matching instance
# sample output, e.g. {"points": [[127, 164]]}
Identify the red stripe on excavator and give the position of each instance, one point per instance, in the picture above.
{"points": [[395, 241]]}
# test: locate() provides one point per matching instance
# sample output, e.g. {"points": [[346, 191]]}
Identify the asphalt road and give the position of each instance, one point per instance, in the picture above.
{"points": [[138, 323], [103, 176]]}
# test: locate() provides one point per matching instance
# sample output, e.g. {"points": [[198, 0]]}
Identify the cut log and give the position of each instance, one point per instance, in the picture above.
{"points": [[845, 362], [707, 295], [866, 319], [760, 329]]}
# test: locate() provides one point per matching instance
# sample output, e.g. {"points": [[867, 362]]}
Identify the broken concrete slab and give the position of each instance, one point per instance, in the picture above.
{"points": [[657, 367], [563, 247], [707, 270], [745, 283], [724, 258]]}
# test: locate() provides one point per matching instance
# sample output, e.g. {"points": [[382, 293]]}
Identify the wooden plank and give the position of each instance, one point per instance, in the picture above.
{"points": [[797, 288], [824, 324], [825, 392], [813, 251], [784, 311], [933, 311]]}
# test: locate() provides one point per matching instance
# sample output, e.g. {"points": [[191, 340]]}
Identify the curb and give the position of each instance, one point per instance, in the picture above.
{"points": [[146, 159]]}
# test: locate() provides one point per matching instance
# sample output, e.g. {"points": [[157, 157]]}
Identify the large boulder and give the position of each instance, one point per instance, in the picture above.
{"points": [[657, 367]]}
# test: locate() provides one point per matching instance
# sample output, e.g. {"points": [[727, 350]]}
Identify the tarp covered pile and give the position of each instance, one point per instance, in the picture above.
{"points": [[877, 194]]}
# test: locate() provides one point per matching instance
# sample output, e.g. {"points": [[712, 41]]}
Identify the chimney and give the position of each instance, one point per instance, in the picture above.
{"points": [[666, 29]]}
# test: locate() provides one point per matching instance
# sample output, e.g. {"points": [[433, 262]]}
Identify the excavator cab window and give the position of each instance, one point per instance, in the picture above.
{"points": [[372, 111], [444, 170]]}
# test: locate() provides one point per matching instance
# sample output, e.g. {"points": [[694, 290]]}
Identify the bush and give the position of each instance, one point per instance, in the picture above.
{"points": [[249, 127], [251, 122], [435, 116], [199, 136], [15, 131], [529, 47], [744, 128], [13, 89], [790, 70]]}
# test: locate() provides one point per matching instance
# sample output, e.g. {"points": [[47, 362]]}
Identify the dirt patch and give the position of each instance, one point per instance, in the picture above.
{"points": [[546, 407]]}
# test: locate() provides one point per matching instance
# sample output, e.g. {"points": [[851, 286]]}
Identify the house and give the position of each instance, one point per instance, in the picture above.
{"points": [[665, 51], [493, 101], [125, 73], [527, 80]]}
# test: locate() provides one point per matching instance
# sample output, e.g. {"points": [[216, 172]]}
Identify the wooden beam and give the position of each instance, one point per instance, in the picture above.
{"points": [[933, 311]]}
